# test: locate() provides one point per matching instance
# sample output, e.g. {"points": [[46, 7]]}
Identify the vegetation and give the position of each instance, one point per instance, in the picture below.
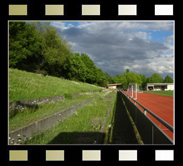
{"points": [[168, 79], [31, 115], [164, 93], [155, 78], [131, 77], [27, 85], [38, 46], [82, 127]]}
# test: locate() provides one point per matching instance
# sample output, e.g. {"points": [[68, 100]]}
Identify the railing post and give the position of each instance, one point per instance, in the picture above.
{"points": [[144, 112], [152, 134]]}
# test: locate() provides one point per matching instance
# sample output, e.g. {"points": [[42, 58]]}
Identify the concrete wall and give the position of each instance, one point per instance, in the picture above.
{"points": [[21, 105], [25, 133], [112, 87]]}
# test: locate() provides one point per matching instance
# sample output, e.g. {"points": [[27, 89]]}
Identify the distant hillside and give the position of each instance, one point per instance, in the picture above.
{"points": [[26, 85]]}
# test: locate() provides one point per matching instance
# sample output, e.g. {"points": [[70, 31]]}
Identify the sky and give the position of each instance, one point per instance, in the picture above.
{"points": [[144, 47]]}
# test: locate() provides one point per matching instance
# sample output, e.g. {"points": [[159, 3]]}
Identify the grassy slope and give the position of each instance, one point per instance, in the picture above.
{"points": [[26, 85], [78, 128], [30, 115], [164, 93]]}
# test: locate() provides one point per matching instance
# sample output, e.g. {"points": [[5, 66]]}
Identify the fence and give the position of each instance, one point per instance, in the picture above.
{"points": [[149, 131]]}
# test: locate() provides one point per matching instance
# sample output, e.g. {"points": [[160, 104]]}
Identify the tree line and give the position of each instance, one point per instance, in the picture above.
{"points": [[131, 77], [38, 46]]}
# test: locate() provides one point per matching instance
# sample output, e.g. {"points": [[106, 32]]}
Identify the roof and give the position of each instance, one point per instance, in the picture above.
{"points": [[113, 84], [160, 83]]}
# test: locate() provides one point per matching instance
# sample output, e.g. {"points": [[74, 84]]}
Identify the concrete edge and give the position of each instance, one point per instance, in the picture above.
{"points": [[100, 137], [21, 105]]}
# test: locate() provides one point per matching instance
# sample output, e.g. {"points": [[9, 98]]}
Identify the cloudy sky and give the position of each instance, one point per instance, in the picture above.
{"points": [[143, 47]]}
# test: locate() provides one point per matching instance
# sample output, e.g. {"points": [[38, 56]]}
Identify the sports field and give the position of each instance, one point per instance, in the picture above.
{"points": [[160, 105]]}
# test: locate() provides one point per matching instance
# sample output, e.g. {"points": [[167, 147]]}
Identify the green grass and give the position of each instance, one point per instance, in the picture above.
{"points": [[30, 115], [26, 85], [79, 127], [163, 93]]}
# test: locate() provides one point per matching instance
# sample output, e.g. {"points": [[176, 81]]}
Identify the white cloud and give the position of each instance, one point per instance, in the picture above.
{"points": [[116, 46]]}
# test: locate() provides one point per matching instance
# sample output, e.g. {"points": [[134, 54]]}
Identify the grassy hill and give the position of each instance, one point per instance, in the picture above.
{"points": [[26, 85]]}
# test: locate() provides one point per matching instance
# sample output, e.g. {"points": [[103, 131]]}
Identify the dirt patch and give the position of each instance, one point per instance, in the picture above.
{"points": [[31, 120]]}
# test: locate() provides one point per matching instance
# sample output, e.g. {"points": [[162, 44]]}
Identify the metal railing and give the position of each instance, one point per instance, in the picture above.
{"points": [[144, 123]]}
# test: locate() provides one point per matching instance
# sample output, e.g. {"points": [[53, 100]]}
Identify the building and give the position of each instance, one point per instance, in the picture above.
{"points": [[160, 86], [114, 86]]}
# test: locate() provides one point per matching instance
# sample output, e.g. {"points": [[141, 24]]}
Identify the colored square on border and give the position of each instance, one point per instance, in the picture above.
{"points": [[17, 10], [127, 155], [91, 155], [127, 9], [164, 155], [18, 155], [90, 10], [54, 10], [54, 155], [164, 10]]}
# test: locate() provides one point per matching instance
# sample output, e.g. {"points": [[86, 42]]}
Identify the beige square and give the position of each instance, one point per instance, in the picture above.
{"points": [[17, 9], [127, 155], [54, 155], [54, 9], [90, 9], [127, 9], [18, 155], [91, 155]]}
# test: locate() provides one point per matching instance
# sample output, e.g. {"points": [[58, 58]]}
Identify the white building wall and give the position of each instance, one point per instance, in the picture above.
{"points": [[170, 87], [113, 87]]}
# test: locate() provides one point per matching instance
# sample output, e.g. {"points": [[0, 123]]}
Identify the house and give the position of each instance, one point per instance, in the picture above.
{"points": [[114, 86], [160, 86]]}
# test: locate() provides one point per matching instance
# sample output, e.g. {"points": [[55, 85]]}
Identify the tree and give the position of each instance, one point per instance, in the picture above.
{"points": [[54, 49], [143, 80], [168, 79], [76, 69], [131, 77], [91, 68], [155, 78], [24, 47], [108, 77], [124, 80], [117, 78], [100, 77]]}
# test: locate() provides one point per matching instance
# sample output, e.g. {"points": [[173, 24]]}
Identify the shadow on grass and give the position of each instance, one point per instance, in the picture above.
{"points": [[123, 132], [71, 138], [78, 138]]}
